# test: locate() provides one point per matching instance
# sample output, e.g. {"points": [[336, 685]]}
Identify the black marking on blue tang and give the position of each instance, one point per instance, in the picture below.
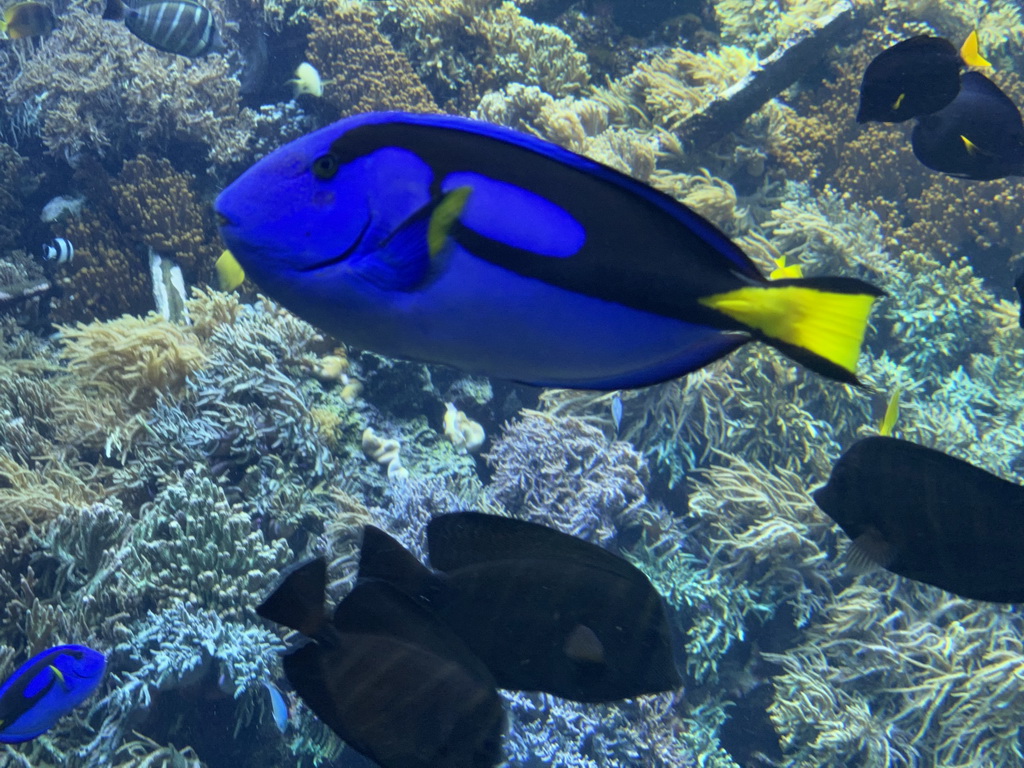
{"points": [[684, 256]]}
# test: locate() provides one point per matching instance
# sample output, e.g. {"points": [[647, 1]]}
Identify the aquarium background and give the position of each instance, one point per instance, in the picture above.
{"points": [[166, 449]]}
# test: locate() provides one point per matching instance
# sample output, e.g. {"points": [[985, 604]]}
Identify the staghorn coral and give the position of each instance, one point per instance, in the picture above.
{"points": [[361, 71]]}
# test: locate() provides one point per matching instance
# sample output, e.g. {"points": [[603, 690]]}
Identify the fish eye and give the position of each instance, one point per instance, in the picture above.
{"points": [[325, 166]]}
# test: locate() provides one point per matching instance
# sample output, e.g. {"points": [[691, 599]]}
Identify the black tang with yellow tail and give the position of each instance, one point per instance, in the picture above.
{"points": [[543, 610], [979, 135], [27, 19], [915, 77], [931, 517], [184, 27], [388, 676], [449, 240]]}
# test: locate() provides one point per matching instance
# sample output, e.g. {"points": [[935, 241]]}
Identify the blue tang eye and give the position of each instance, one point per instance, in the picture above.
{"points": [[325, 167]]}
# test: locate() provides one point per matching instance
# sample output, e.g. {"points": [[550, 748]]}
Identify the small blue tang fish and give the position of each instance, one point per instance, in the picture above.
{"points": [[46, 687], [448, 240]]}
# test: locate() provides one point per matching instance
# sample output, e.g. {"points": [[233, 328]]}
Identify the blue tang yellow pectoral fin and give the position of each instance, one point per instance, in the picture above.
{"points": [[405, 257]]}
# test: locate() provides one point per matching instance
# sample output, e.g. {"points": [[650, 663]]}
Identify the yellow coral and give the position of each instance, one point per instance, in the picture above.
{"points": [[134, 359], [360, 70]]}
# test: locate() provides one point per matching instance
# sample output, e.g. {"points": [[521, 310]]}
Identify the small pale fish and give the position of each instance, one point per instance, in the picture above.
{"points": [[59, 250], [46, 687], [183, 27], [27, 20], [307, 81], [278, 706], [61, 207], [617, 412]]}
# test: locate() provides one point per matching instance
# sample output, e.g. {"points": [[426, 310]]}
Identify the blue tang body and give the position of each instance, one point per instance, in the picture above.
{"points": [[448, 240], [46, 687]]}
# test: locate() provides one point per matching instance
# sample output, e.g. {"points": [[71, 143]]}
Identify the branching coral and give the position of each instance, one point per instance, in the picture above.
{"points": [[18, 182], [159, 207], [907, 676], [95, 88], [361, 71], [564, 472]]}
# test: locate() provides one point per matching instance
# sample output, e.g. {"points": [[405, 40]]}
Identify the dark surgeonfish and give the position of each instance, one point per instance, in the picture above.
{"points": [[27, 19], [388, 676], [46, 687], [930, 517], [449, 240], [915, 77], [978, 136], [544, 611], [183, 27]]}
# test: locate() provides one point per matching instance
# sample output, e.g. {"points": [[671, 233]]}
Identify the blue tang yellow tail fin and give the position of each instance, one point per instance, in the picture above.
{"points": [[819, 322]]}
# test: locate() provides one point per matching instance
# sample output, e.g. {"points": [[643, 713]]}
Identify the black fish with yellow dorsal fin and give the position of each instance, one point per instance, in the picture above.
{"points": [[28, 19], [930, 517], [388, 676], [543, 610], [915, 77], [978, 136]]}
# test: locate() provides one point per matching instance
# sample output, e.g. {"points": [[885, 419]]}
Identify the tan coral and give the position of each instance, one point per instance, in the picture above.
{"points": [[466, 435], [361, 71], [386, 452]]}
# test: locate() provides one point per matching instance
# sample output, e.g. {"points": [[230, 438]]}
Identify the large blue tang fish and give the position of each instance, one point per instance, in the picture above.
{"points": [[448, 240], [45, 687]]}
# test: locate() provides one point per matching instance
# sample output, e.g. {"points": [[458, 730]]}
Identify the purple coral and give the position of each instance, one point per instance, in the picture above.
{"points": [[561, 471]]}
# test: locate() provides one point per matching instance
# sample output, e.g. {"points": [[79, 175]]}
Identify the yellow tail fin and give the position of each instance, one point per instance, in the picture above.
{"points": [[819, 322], [970, 53]]}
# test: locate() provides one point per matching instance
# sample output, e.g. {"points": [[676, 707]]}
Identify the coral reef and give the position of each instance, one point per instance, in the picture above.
{"points": [[463, 48], [156, 476], [361, 71], [159, 207], [94, 88], [564, 472]]}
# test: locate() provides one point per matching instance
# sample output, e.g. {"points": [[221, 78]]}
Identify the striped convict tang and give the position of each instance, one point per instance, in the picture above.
{"points": [[183, 27]]}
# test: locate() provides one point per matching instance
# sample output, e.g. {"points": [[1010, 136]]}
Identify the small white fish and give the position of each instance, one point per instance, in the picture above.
{"points": [[307, 81], [278, 706], [61, 207], [59, 250], [617, 412]]}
